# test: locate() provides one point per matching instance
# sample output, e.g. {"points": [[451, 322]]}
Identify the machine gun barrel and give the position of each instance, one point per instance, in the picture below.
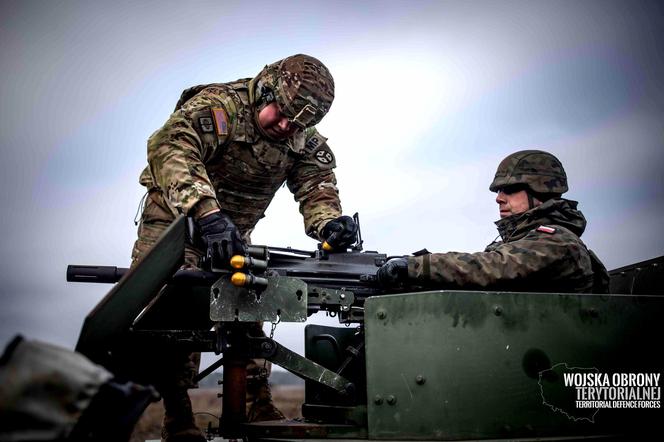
{"points": [[99, 274], [112, 274]]}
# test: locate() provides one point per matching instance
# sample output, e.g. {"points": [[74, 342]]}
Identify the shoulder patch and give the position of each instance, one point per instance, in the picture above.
{"points": [[546, 229], [313, 143], [220, 120], [206, 124], [324, 156]]}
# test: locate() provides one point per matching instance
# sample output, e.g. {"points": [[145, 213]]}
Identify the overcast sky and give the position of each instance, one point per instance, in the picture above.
{"points": [[430, 96]]}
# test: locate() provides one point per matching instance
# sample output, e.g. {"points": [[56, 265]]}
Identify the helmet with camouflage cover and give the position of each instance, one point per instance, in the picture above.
{"points": [[302, 87], [540, 171]]}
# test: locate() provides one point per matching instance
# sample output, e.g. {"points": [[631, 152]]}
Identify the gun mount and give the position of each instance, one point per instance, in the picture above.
{"points": [[434, 365]]}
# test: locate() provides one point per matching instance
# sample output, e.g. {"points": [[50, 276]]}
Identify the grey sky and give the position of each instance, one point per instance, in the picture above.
{"points": [[430, 96]]}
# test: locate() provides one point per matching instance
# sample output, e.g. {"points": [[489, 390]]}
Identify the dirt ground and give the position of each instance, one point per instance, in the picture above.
{"points": [[207, 408]]}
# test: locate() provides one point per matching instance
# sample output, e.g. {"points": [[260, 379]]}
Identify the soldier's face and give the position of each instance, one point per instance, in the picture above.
{"points": [[513, 202], [275, 123]]}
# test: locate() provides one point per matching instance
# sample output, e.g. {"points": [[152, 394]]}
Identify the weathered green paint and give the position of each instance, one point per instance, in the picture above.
{"points": [[332, 297], [465, 365], [641, 278], [302, 431], [340, 349], [114, 314], [307, 369], [284, 298]]}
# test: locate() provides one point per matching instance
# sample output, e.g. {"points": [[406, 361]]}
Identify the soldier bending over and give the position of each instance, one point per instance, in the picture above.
{"points": [[220, 158]]}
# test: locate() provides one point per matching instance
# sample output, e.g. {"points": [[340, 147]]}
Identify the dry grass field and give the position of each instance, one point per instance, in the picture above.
{"points": [[207, 407]]}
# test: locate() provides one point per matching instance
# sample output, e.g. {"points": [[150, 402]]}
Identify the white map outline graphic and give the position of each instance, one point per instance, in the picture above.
{"points": [[553, 407]]}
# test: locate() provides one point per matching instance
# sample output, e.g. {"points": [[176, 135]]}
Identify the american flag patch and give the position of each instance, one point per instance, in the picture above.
{"points": [[220, 120], [546, 229]]}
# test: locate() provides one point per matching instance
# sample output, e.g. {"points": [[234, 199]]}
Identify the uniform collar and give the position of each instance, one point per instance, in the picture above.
{"points": [[560, 212]]}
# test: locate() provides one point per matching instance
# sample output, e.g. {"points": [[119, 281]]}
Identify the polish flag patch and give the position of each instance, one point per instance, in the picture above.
{"points": [[546, 229]]}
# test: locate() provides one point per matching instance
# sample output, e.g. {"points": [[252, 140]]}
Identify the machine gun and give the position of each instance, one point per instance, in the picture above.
{"points": [[436, 365], [336, 282], [157, 305]]}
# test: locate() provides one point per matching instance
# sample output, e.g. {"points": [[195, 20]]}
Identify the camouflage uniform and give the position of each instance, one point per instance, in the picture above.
{"points": [[212, 154], [540, 251], [192, 168]]}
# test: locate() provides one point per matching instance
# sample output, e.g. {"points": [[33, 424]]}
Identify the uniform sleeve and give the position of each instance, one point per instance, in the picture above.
{"points": [[177, 152], [314, 185], [538, 254]]}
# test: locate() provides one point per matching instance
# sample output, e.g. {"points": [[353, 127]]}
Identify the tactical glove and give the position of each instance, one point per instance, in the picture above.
{"points": [[393, 272], [340, 232], [222, 239]]}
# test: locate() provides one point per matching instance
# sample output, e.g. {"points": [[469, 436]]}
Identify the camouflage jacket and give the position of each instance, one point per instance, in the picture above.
{"points": [[540, 251], [212, 152]]}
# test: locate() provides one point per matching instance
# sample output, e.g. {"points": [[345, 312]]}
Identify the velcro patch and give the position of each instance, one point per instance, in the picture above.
{"points": [[546, 229], [323, 156], [313, 143], [206, 124], [220, 120]]}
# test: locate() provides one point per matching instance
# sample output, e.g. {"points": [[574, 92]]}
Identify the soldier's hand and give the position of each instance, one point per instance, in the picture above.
{"points": [[393, 272], [222, 239], [340, 233]]}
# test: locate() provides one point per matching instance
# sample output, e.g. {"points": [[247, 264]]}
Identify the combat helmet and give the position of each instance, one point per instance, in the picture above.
{"points": [[300, 84], [537, 170]]}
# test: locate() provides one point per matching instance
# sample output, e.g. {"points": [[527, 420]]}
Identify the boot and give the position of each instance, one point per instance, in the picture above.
{"points": [[178, 424], [259, 402]]}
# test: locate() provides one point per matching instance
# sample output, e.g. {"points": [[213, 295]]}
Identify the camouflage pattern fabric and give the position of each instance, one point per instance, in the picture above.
{"points": [[539, 170], [540, 251], [44, 390], [303, 88], [155, 219], [211, 153]]}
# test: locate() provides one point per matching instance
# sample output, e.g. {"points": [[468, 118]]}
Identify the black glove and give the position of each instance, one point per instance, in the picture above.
{"points": [[222, 239], [393, 272], [340, 232]]}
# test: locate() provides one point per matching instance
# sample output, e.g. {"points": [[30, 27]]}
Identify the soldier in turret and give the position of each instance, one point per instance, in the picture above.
{"points": [[220, 158], [540, 248]]}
